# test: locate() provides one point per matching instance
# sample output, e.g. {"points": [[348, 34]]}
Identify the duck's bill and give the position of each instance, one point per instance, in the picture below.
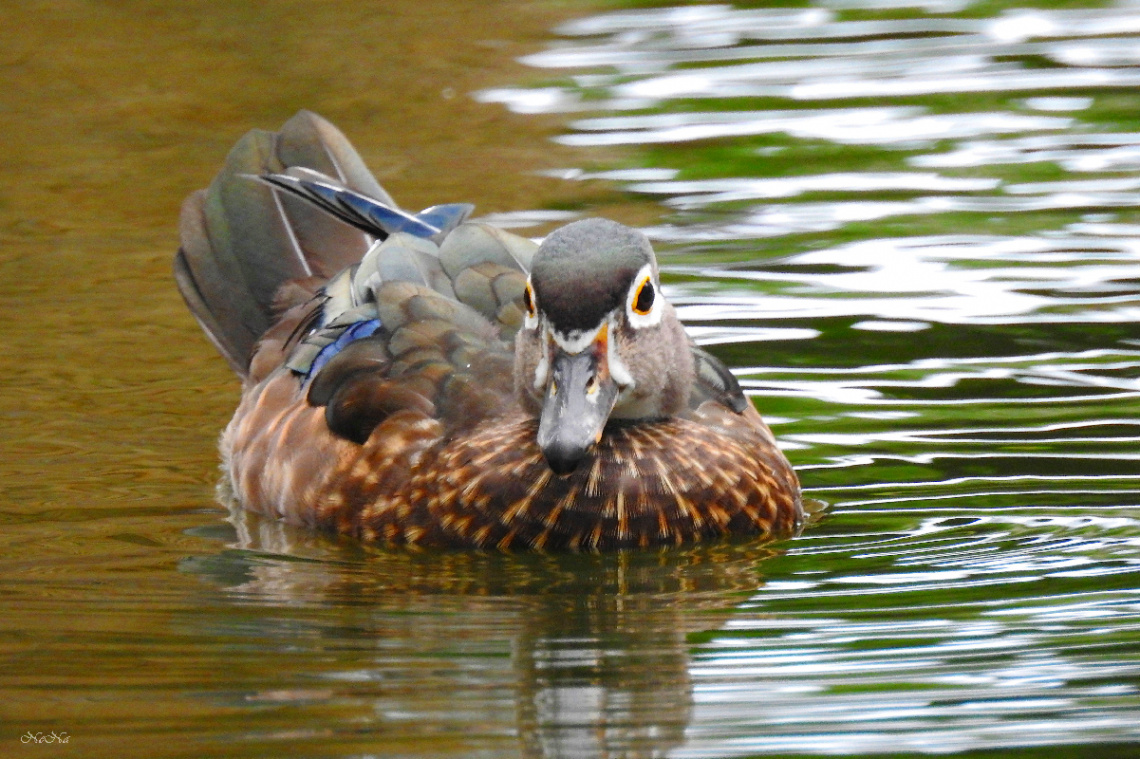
{"points": [[578, 404]]}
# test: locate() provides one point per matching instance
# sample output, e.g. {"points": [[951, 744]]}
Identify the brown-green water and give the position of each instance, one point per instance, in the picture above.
{"points": [[912, 228]]}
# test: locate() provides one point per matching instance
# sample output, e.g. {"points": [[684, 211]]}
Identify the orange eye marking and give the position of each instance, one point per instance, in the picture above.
{"points": [[643, 299], [528, 300]]}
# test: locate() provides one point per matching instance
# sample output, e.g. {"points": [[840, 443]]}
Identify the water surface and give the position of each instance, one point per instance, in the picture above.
{"points": [[911, 228]]}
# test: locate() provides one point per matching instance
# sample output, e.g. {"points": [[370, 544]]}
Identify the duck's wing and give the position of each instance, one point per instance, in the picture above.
{"points": [[487, 268], [714, 382], [417, 327], [292, 209], [413, 349]]}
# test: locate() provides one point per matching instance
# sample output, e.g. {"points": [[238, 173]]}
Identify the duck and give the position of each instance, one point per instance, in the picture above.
{"points": [[431, 380]]}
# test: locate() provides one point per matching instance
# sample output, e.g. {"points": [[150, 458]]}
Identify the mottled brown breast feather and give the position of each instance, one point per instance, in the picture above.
{"points": [[648, 484]]}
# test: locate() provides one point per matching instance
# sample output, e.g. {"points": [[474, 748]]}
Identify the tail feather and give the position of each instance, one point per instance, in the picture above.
{"points": [[310, 141], [242, 240], [245, 221], [214, 287], [307, 140], [225, 343]]}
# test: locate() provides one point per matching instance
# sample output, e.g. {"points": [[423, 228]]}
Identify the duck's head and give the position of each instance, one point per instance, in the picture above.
{"points": [[599, 340]]}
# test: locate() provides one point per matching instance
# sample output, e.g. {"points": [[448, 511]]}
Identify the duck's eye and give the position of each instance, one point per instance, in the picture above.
{"points": [[643, 300], [528, 301]]}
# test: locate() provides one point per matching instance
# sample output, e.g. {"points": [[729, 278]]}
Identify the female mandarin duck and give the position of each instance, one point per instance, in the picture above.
{"points": [[421, 379]]}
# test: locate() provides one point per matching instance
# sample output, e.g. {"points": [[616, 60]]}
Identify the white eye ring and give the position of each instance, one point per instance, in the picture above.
{"points": [[641, 318], [643, 297]]}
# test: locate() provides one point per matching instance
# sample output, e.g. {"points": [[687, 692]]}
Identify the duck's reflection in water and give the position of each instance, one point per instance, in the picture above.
{"points": [[593, 650], [603, 674]]}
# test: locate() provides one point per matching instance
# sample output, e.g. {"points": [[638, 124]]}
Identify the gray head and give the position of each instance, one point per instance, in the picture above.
{"points": [[599, 341]]}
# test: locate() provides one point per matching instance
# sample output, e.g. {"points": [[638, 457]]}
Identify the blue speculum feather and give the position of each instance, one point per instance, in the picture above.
{"points": [[321, 191], [367, 213], [388, 219], [355, 332]]}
